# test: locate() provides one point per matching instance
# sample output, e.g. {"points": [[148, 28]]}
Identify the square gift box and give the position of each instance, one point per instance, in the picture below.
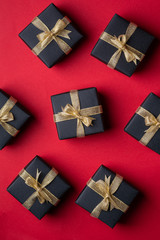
{"points": [[122, 45], [77, 113], [38, 187], [145, 123], [107, 196], [12, 118], [50, 36]]}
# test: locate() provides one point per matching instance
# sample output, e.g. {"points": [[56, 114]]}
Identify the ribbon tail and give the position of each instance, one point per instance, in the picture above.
{"points": [[114, 59], [10, 129], [65, 33], [63, 45], [30, 201], [97, 210], [80, 129]]}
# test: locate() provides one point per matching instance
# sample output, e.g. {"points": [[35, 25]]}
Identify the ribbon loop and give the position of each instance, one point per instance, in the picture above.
{"points": [[6, 116], [73, 111], [46, 36], [120, 43], [106, 190]]}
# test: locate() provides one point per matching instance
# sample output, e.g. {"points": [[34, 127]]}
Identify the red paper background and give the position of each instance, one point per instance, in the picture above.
{"points": [[26, 78]]}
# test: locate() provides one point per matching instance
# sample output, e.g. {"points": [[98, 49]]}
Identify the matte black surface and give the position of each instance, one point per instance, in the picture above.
{"points": [[140, 40], [20, 118], [52, 53], [21, 191], [136, 126], [88, 98], [88, 199]]}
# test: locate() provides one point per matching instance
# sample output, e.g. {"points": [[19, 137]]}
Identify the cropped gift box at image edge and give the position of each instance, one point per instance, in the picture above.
{"points": [[38, 187], [122, 45], [77, 113], [12, 118], [51, 36], [107, 196], [144, 126]]}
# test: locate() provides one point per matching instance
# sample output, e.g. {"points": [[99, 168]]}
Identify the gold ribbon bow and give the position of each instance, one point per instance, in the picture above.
{"points": [[47, 36], [106, 190], [150, 121], [40, 191], [120, 42], [6, 116], [74, 112]]}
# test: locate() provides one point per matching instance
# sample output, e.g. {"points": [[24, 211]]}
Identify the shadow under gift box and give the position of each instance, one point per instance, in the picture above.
{"points": [[140, 40], [52, 53], [89, 199], [20, 118], [88, 98], [21, 191], [136, 126]]}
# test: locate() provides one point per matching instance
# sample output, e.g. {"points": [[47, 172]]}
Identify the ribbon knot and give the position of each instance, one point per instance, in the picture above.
{"points": [[151, 121], [71, 111], [107, 190], [75, 112], [41, 192], [47, 35], [6, 116], [33, 183], [120, 42]]}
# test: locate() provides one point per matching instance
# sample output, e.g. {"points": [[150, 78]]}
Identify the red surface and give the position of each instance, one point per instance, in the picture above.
{"points": [[32, 83]]}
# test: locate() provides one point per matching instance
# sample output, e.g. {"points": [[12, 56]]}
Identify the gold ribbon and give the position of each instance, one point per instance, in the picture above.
{"points": [[150, 121], [40, 191], [47, 36], [74, 112], [106, 190], [120, 42], [6, 116]]}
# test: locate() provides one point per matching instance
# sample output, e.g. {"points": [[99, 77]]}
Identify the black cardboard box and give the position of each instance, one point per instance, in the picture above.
{"points": [[137, 127], [139, 40], [89, 199], [88, 98], [20, 116], [21, 191], [52, 53]]}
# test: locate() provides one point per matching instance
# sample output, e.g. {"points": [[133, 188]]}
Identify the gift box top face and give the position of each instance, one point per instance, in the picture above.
{"points": [[52, 52], [21, 191], [87, 98], [137, 127], [139, 40], [89, 199], [20, 118]]}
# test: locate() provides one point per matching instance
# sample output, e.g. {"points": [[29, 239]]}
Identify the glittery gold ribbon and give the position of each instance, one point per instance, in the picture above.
{"points": [[150, 121], [40, 191], [6, 116], [47, 35], [106, 190], [74, 112], [120, 42]]}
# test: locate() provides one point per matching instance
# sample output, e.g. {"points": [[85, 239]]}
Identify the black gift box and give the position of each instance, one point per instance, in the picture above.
{"points": [[58, 187], [88, 98], [136, 126], [52, 53], [20, 118], [140, 40], [89, 199]]}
